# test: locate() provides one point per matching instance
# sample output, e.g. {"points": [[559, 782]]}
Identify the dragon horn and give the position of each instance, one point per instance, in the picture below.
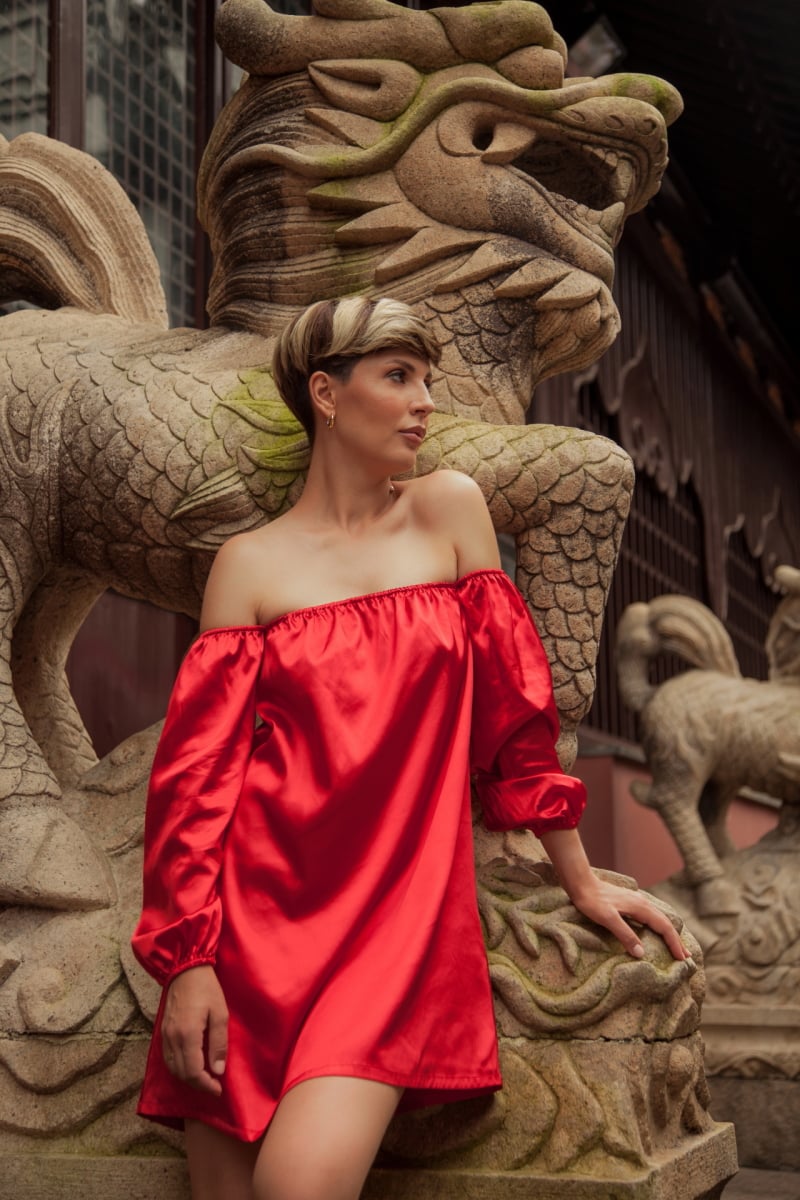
{"points": [[264, 42]]}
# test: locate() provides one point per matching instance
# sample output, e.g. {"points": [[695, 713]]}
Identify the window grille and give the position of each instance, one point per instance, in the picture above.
{"points": [[140, 123], [24, 60], [661, 552], [750, 607]]}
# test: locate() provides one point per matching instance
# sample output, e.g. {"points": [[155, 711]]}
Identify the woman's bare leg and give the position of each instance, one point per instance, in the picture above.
{"points": [[220, 1166], [323, 1138]]}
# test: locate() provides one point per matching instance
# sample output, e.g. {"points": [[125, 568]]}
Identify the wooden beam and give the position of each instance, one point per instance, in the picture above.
{"points": [[67, 72]]}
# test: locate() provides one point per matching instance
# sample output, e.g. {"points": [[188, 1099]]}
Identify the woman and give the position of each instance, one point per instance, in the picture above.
{"points": [[309, 888]]}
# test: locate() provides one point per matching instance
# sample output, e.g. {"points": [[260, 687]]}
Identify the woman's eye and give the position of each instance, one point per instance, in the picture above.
{"points": [[399, 375]]}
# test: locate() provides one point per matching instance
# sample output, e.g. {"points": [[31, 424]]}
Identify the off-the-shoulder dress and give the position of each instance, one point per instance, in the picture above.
{"points": [[309, 832]]}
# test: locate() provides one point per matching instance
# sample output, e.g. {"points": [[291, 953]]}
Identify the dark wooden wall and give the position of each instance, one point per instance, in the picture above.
{"points": [[717, 499]]}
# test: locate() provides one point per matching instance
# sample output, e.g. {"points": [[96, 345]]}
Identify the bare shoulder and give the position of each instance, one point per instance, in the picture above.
{"points": [[440, 490], [451, 506], [235, 583], [243, 551]]}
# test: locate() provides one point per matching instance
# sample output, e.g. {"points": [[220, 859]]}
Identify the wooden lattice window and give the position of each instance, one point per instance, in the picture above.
{"points": [[140, 123], [750, 607], [662, 551]]}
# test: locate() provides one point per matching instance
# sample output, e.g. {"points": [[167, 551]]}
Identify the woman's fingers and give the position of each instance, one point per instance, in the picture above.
{"points": [[621, 930], [184, 1058], [195, 1014], [660, 923], [217, 1039], [612, 904]]}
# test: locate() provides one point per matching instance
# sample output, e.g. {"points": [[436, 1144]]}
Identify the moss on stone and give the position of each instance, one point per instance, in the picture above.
{"points": [[281, 444]]}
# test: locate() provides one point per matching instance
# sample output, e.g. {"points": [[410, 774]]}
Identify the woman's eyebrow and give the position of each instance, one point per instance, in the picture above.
{"points": [[409, 366]]}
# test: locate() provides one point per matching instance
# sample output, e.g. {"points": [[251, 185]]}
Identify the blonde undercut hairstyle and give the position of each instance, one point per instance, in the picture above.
{"points": [[332, 335]]}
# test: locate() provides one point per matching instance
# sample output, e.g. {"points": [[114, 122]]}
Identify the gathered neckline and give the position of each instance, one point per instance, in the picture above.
{"points": [[326, 605]]}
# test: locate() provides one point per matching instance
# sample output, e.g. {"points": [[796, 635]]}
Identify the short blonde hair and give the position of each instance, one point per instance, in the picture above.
{"points": [[332, 335]]}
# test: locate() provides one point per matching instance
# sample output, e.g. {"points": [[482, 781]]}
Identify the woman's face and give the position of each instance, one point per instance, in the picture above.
{"points": [[382, 410]]}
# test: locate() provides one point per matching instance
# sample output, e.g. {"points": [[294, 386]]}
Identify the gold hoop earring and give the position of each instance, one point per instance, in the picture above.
{"points": [[331, 421]]}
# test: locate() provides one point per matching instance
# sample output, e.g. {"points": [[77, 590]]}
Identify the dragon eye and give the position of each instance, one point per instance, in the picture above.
{"points": [[468, 129], [482, 137]]}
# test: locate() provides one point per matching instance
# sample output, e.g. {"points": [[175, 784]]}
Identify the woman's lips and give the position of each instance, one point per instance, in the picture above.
{"points": [[414, 436]]}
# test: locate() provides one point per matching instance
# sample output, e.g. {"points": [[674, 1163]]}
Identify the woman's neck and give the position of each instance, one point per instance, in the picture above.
{"points": [[343, 496]]}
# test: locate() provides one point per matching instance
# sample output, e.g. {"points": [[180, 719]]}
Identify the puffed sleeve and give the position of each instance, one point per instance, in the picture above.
{"points": [[518, 778], [195, 783]]}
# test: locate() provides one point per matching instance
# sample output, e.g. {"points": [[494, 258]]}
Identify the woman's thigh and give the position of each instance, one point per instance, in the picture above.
{"points": [[220, 1166], [323, 1139]]}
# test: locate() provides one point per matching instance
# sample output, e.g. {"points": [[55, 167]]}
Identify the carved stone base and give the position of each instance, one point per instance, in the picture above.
{"points": [[699, 1171], [751, 1017], [766, 1114], [755, 1041], [80, 1177]]}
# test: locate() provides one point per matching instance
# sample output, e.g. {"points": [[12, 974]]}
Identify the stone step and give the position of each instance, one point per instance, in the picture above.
{"points": [[763, 1185]]}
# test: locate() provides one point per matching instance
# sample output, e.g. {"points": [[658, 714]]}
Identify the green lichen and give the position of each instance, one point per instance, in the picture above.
{"points": [[281, 444], [651, 89]]}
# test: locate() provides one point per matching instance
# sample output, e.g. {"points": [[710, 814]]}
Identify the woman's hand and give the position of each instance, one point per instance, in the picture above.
{"points": [[196, 1016], [605, 903], [608, 905]]}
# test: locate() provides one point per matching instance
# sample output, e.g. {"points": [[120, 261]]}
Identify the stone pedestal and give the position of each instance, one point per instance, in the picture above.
{"points": [[78, 1177], [751, 1016], [753, 1068], [766, 1116], [698, 1171]]}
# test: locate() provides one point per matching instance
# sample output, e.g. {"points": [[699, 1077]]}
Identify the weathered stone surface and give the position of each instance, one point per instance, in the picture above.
{"points": [[70, 1177], [698, 1172], [63, 1177]]}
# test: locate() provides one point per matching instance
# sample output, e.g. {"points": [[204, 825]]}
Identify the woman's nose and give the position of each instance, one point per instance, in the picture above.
{"points": [[423, 402]]}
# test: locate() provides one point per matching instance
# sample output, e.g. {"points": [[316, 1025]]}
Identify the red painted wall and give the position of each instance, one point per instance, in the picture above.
{"points": [[622, 835]]}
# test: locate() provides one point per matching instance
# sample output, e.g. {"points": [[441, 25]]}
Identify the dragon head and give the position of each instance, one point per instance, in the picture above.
{"points": [[440, 157]]}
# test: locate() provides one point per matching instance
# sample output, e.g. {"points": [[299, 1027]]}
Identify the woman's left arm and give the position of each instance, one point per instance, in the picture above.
{"points": [[451, 506], [603, 902], [520, 781]]}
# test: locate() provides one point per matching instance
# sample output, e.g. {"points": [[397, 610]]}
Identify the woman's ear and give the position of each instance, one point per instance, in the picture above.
{"points": [[320, 393]]}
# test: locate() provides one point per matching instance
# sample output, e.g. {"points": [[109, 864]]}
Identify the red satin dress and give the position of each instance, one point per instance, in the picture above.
{"points": [[322, 858]]}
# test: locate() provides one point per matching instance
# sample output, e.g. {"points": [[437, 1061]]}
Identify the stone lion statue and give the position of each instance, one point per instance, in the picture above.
{"points": [[708, 732]]}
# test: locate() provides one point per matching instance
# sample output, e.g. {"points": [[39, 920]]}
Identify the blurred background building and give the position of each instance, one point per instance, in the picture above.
{"points": [[701, 386]]}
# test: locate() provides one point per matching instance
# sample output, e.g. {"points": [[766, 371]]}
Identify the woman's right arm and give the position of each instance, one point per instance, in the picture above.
{"points": [[232, 592], [197, 775]]}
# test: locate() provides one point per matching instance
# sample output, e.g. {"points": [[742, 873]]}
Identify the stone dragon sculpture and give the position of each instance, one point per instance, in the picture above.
{"points": [[436, 156], [474, 184]]}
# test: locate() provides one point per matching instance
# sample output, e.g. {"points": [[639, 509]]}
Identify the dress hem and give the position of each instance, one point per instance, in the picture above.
{"points": [[418, 1093]]}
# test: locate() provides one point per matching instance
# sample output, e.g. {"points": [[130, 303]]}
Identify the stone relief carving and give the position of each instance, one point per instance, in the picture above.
{"points": [[465, 179], [708, 733]]}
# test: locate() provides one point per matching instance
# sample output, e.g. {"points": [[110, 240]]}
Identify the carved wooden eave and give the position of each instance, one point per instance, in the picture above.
{"points": [[690, 411], [738, 142]]}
